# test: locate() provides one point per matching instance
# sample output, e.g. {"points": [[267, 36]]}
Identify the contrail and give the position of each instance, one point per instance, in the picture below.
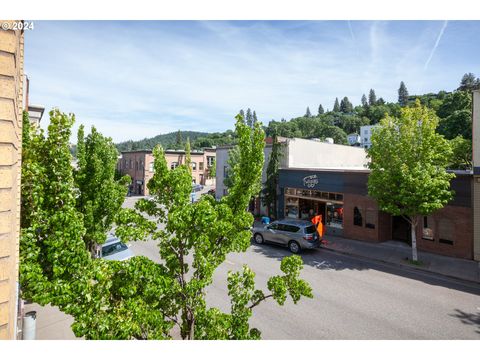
{"points": [[445, 23]]}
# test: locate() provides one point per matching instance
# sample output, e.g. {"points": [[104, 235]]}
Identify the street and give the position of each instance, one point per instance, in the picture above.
{"points": [[353, 299]]}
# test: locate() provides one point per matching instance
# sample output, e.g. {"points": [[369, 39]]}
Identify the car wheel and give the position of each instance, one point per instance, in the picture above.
{"points": [[294, 247], [258, 238]]}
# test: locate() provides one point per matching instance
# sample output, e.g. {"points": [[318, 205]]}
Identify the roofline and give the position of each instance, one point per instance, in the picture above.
{"points": [[355, 170]]}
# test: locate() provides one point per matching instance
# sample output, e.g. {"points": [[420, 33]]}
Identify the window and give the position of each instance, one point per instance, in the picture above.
{"points": [[225, 192], [445, 231], [142, 166], [427, 233], [174, 165], [131, 164], [194, 166], [365, 132], [273, 226], [200, 166], [365, 139], [225, 172], [136, 165], [151, 167], [125, 163], [334, 215], [357, 217], [370, 219], [210, 160]]}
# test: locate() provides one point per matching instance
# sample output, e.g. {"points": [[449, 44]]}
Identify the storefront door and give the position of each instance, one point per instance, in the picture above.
{"points": [[401, 229]]}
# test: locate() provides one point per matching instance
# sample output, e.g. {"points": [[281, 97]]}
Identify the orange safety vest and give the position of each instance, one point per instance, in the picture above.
{"points": [[317, 220]]}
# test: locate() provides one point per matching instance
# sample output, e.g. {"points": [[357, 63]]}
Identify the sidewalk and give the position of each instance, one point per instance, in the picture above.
{"points": [[395, 252]]}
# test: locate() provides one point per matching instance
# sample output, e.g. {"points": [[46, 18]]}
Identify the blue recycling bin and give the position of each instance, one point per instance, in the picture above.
{"points": [[265, 220]]}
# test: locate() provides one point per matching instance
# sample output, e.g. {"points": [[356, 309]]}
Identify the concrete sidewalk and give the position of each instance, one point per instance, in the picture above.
{"points": [[395, 252]]}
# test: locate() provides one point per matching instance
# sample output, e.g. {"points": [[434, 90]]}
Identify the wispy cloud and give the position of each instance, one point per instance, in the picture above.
{"points": [[439, 37], [138, 79]]}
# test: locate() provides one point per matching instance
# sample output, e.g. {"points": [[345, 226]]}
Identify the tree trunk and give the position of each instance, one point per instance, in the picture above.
{"points": [[413, 230]]}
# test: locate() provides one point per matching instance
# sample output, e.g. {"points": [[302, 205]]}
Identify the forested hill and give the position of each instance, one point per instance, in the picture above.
{"points": [[171, 141]]}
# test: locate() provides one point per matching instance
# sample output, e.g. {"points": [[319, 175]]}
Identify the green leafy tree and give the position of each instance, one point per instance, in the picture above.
{"points": [[196, 237], [233, 159], [456, 115], [254, 117], [270, 193], [100, 196], [372, 98], [320, 110], [336, 106], [212, 170], [402, 94], [178, 140], [461, 153], [407, 161], [308, 114]]}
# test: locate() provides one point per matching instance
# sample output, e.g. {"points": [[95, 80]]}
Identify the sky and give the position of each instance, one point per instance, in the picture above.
{"points": [[137, 79]]}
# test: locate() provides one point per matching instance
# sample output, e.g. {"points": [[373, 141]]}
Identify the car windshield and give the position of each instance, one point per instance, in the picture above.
{"points": [[113, 248], [310, 229]]}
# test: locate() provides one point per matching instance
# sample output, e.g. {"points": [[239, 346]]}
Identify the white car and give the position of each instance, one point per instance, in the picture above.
{"points": [[114, 249]]}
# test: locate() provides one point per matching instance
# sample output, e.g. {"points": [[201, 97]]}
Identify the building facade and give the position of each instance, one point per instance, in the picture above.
{"points": [[139, 166], [11, 107], [476, 174], [366, 135]]}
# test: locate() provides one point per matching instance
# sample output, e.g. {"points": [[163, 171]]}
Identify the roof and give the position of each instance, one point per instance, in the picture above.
{"points": [[331, 169]]}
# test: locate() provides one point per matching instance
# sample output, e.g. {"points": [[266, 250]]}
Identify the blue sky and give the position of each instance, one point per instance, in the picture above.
{"points": [[139, 79]]}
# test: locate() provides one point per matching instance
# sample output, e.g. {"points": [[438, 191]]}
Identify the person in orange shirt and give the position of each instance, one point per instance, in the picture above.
{"points": [[317, 221]]}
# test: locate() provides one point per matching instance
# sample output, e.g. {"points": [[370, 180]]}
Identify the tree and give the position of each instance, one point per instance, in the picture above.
{"points": [[249, 118], [178, 140], [364, 101], [100, 196], [372, 98], [138, 298], [469, 83], [233, 159], [461, 154], [209, 230], [271, 184], [255, 120], [320, 110], [380, 101], [407, 162], [336, 106], [212, 170], [346, 106], [402, 94], [308, 113]]}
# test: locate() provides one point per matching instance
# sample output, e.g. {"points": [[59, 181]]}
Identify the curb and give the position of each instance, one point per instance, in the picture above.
{"points": [[403, 266]]}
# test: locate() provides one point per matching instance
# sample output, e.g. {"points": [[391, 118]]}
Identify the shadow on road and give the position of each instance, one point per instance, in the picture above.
{"points": [[323, 259], [468, 319]]}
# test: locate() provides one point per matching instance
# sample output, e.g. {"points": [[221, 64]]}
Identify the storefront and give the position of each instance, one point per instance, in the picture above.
{"points": [[305, 204]]}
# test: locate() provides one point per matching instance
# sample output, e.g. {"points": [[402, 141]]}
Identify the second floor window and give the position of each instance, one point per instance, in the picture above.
{"points": [[173, 165], [200, 166], [193, 165], [151, 167]]}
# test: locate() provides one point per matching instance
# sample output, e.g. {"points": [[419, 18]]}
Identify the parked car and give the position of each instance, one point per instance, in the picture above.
{"points": [[114, 249], [295, 234], [197, 188]]}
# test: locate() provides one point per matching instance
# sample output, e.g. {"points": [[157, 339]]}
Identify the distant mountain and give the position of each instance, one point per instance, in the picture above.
{"points": [[168, 141]]}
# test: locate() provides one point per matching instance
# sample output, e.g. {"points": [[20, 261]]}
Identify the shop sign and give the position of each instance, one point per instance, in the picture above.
{"points": [[310, 181]]}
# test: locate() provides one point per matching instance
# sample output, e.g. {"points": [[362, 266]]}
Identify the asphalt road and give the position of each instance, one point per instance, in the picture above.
{"points": [[353, 298]]}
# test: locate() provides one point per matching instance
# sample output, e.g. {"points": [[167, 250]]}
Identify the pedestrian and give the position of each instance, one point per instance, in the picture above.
{"points": [[317, 221]]}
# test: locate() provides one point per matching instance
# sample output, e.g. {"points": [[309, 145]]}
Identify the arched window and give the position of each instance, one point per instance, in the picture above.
{"points": [[173, 165], [357, 217]]}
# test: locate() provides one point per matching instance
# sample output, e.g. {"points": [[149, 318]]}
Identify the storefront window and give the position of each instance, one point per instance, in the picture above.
{"points": [[370, 219], [357, 217], [427, 228], [335, 215]]}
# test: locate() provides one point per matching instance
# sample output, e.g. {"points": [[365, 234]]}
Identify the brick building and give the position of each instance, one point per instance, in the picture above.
{"points": [[11, 107], [138, 165]]}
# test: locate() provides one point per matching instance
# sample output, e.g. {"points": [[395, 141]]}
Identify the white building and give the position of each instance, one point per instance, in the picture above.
{"points": [[366, 135], [354, 139], [297, 154]]}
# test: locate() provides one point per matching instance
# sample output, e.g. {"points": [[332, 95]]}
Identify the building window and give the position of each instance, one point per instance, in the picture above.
{"points": [[125, 163], [194, 166], [136, 165], [174, 165], [365, 139], [200, 166], [335, 215], [151, 167], [427, 233], [225, 192], [131, 164], [210, 160], [142, 166], [357, 217], [365, 132], [225, 172], [370, 218], [445, 231]]}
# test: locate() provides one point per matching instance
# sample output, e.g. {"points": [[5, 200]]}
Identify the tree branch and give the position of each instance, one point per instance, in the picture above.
{"points": [[259, 301]]}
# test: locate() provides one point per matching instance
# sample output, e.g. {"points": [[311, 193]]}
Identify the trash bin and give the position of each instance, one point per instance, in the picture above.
{"points": [[29, 325]]}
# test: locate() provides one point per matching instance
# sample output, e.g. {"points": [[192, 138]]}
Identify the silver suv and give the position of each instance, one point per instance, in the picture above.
{"points": [[295, 234]]}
